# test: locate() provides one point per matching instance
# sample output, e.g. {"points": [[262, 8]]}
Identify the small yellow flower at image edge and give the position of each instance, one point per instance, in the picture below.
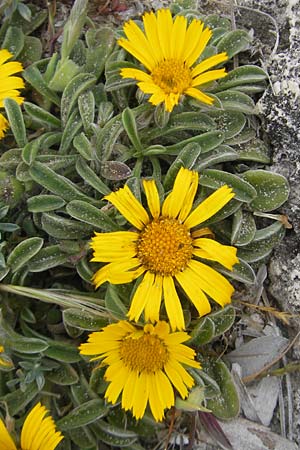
{"points": [[10, 85], [144, 364], [163, 249], [168, 49], [38, 432]]}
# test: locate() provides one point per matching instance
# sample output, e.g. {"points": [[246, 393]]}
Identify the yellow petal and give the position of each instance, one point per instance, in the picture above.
{"points": [[140, 296], [153, 300], [213, 250], [127, 204], [109, 247], [175, 378], [9, 69], [6, 442], [141, 395], [212, 282], [210, 206], [118, 272], [128, 394], [4, 125], [138, 39], [150, 25], [137, 52], [117, 384], [190, 284], [172, 304], [164, 29], [200, 42], [199, 95], [206, 77], [192, 38], [136, 74], [11, 83], [208, 63], [4, 56], [39, 433], [182, 195], [152, 196], [178, 37], [156, 402]]}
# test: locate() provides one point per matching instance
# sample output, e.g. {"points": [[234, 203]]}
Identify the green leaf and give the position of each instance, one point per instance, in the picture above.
{"points": [[79, 84], [90, 214], [234, 42], [207, 142], [243, 228], [64, 375], [186, 158], [226, 405], [129, 124], [236, 101], [23, 252], [15, 118], [26, 345], [13, 41], [83, 438], [263, 243], [47, 258], [203, 332], [84, 320], [272, 189], [84, 414], [112, 435], [213, 178], [242, 272], [16, 401], [86, 105], [63, 352], [44, 203], [218, 155], [242, 75], [55, 183], [100, 43], [114, 304], [230, 122], [32, 50], [62, 228], [223, 319], [34, 77], [254, 150], [41, 115], [189, 120], [83, 146], [90, 177], [71, 129]]}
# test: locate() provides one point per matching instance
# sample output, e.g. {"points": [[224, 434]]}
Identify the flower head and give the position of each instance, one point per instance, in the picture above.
{"points": [[10, 85], [168, 49], [38, 433], [143, 364], [164, 248]]}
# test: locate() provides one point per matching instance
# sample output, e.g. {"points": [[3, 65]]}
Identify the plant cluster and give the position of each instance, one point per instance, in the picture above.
{"points": [[131, 163]]}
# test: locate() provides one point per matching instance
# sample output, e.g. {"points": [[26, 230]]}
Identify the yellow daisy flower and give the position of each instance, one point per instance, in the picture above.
{"points": [[10, 84], [168, 50], [163, 248], [143, 365], [38, 433]]}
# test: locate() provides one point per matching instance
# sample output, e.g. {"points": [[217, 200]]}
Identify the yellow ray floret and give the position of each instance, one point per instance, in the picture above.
{"points": [[168, 49], [38, 432], [9, 85], [144, 365], [164, 249]]}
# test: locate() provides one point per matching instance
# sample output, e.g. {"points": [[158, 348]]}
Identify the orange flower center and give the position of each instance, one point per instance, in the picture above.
{"points": [[165, 246], [145, 354], [172, 76]]}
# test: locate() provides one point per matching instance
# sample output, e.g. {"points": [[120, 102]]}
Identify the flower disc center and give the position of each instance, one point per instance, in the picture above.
{"points": [[144, 354], [172, 76], [165, 246]]}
